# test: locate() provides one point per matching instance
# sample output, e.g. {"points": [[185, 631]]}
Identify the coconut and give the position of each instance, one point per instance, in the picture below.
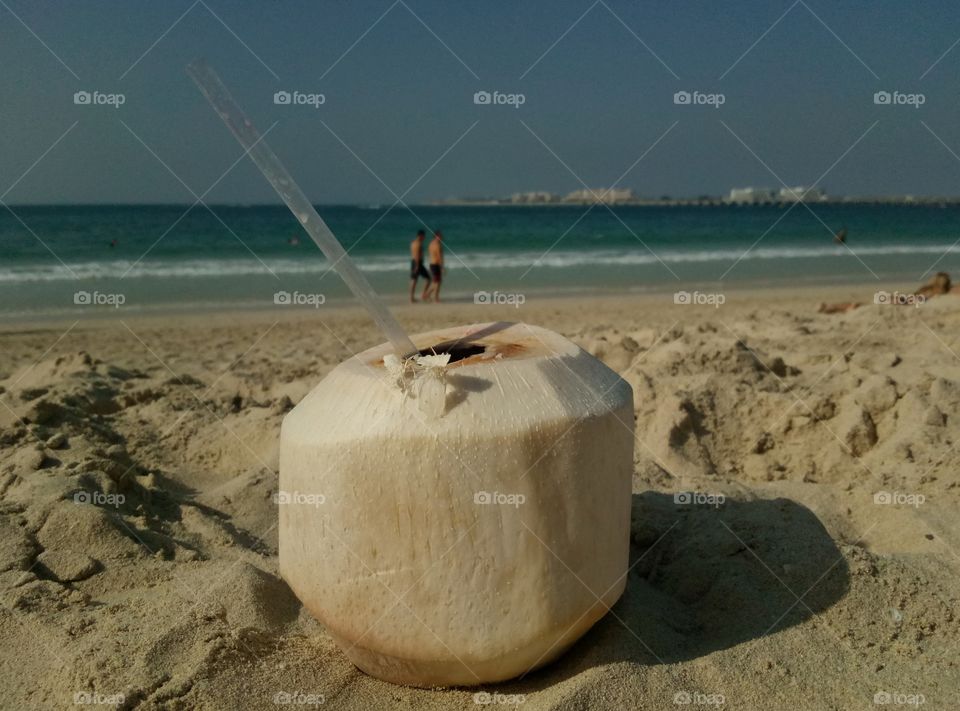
{"points": [[462, 519]]}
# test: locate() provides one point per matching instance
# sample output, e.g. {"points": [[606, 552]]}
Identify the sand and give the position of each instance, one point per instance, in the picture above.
{"points": [[813, 563]]}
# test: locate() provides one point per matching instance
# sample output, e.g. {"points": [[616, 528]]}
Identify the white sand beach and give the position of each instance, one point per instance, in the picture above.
{"points": [[812, 563]]}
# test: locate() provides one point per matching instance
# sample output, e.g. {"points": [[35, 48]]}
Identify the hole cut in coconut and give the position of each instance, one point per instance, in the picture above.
{"points": [[479, 343], [458, 350]]}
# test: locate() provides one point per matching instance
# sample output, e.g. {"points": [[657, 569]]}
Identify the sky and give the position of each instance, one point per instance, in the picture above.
{"points": [[597, 80]]}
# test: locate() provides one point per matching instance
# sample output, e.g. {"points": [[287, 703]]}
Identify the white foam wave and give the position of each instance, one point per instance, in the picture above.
{"points": [[558, 259]]}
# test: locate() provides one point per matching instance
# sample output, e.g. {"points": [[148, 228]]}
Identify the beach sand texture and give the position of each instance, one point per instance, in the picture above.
{"points": [[139, 530]]}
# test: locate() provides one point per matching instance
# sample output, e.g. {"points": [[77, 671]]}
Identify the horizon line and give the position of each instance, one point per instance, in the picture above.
{"points": [[637, 201]]}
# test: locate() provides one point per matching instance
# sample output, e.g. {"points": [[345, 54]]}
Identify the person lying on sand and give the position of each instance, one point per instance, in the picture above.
{"points": [[938, 285]]}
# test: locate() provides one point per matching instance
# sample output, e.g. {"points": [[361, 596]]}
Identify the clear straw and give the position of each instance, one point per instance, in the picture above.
{"points": [[266, 160]]}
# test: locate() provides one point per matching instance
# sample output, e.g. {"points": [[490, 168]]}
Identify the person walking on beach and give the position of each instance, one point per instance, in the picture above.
{"points": [[436, 264], [416, 266]]}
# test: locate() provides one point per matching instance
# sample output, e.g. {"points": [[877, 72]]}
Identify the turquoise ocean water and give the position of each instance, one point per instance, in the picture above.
{"points": [[166, 257]]}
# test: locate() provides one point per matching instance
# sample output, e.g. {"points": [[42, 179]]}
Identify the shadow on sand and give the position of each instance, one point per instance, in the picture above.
{"points": [[705, 578]]}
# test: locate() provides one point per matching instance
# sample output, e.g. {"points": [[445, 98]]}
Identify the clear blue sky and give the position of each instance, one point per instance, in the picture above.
{"points": [[403, 95]]}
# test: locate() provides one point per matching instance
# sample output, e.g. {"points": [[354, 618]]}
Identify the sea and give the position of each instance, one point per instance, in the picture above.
{"points": [[77, 260]]}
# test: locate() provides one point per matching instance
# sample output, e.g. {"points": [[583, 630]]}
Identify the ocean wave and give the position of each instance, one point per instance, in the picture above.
{"points": [[558, 259]]}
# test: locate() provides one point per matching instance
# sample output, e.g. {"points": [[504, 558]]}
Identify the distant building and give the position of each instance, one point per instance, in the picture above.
{"points": [[532, 198], [801, 193], [607, 196], [752, 195]]}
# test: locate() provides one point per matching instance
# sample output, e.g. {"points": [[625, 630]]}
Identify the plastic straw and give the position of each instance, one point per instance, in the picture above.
{"points": [[273, 170]]}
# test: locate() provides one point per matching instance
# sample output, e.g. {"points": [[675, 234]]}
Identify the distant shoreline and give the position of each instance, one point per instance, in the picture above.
{"points": [[701, 202]]}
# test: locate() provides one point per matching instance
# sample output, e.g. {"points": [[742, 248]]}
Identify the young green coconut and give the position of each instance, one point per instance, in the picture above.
{"points": [[461, 517], [468, 537]]}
